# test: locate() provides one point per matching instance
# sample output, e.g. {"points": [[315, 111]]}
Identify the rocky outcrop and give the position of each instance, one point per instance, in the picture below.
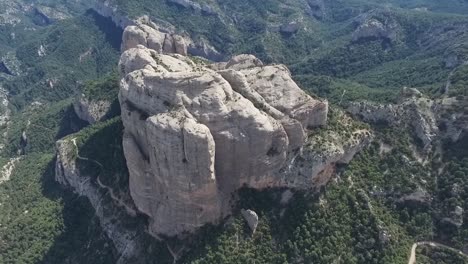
{"points": [[202, 48], [111, 218], [162, 40], [156, 40], [47, 15], [107, 8], [413, 110], [429, 119], [376, 25], [194, 135], [160, 35], [91, 111], [251, 218]]}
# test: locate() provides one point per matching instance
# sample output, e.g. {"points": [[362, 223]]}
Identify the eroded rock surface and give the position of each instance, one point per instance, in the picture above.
{"points": [[91, 111], [376, 25], [251, 218], [429, 119], [111, 218], [194, 135]]}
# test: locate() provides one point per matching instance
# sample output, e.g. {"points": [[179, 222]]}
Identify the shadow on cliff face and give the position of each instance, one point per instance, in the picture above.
{"points": [[112, 32], [81, 240]]}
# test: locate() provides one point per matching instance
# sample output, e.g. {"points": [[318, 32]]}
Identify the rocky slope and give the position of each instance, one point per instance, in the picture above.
{"points": [[111, 211], [194, 135], [429, 119]]}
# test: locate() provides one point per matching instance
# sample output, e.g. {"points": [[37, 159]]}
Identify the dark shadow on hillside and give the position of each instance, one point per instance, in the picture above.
{"points": [[82, 239], [69, 123], [112, 32]]}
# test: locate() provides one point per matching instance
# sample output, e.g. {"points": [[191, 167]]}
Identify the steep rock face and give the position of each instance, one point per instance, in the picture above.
{"points": [[429, 119], [160, 35], [107, 8], [194, 135], [413, 112], [376, 24], [111, 219], [155, 39], [91, 111]]}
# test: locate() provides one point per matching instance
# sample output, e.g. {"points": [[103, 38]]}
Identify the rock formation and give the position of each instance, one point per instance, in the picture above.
{"points": [[376, 24], [160, 33], [91, 111], [251, 218], [111, 219], [107, 8], [429, 119], [193, 135]]}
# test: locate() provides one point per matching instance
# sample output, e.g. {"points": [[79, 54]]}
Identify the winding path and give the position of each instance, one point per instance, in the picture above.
{"points": [[412, 258]]}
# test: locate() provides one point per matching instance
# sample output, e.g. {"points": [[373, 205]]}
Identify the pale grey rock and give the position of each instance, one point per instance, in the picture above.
{"points": [[243, 61], [414, 111], [41, 51], [91, 111], [154, 39], [193, 136], [422, 114], [204, 49], [180, 45], [416, 199], [251, 218], [145, 32], [378, 24], [371, 28], [274, 83]]}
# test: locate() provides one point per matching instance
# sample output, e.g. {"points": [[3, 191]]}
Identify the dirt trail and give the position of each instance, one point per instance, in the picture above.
{"points": [[412, 258]]}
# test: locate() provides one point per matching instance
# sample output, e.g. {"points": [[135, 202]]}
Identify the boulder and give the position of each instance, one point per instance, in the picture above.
{"points": [[251, 218]]}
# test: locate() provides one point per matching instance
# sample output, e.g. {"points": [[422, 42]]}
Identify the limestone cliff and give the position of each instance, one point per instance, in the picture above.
{"points": [[156, 33], [107, 208], [429, 119], [194, 135], [91, 111]]}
